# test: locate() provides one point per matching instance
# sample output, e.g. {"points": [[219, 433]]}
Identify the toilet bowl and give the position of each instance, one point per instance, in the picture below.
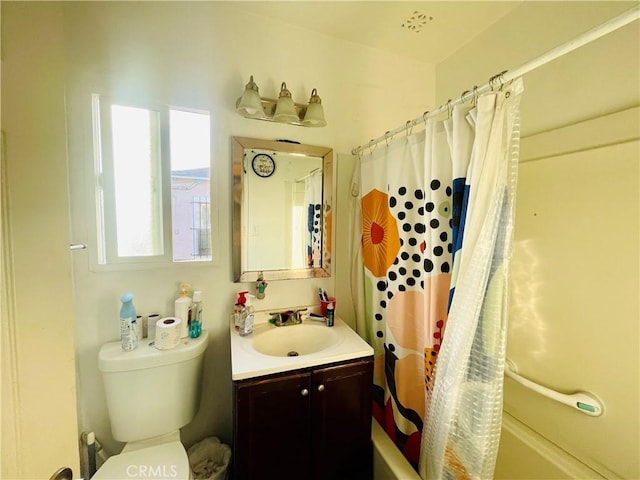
{"points": [[163, 385]]}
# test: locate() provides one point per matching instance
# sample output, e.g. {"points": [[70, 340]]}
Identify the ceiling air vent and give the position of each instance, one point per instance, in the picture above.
{"points": [[416, 22]]}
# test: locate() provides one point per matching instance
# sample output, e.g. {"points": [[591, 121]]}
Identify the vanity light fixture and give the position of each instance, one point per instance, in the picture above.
{"points": [[249, 104], [283, 110], [315, 114]]}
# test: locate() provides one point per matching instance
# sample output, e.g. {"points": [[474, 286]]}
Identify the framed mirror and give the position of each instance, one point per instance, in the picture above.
{"points": [[282, 214]]}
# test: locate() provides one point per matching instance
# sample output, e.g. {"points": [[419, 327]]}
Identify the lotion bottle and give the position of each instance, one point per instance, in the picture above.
{"points": [[182, 306]]}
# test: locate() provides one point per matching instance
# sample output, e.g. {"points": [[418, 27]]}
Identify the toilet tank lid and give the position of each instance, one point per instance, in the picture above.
{"points": [[112, 358]]}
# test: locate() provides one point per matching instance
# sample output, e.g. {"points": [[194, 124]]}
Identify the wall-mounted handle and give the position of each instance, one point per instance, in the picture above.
{"points": [[581, 401], [304, 392]]}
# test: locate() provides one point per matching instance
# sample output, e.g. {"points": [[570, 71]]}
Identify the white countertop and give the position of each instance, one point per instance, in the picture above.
{"points": [[246, 362]]}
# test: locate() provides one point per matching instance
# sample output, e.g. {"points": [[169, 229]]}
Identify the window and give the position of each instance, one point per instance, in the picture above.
{"points": [[152, 183]]}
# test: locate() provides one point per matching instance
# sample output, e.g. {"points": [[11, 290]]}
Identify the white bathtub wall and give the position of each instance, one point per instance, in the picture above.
{"points": [[574, 305]]}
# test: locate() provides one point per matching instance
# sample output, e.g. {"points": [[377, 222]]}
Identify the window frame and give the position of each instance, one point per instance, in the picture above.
{"points": [[103, 189]]}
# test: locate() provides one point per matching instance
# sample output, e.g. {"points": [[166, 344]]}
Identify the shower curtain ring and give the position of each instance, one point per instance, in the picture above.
{"points": [[372, 142], [386, 137], [474, 100], [464, 94], [449, 108], [424, 116], [492, 82], [501, 79], [409, 127]]}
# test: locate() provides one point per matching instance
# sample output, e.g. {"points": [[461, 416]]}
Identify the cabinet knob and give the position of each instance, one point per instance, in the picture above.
{"points": [[304, 392], [321, 388]]}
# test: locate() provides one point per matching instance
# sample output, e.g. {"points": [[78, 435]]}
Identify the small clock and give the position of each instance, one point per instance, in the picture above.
{"points": [[264, 165]]}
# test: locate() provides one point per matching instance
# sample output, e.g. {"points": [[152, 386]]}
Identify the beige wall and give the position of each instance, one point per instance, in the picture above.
{"points": [[596, 79], [201, 56], [574, 310], [38, 329]]}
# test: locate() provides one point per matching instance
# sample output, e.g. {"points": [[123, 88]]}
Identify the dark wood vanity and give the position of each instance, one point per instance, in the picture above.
{"points": [[306, 424]]}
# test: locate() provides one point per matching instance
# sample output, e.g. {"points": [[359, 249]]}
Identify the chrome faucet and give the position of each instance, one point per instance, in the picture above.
{"points": [[288, 317]]}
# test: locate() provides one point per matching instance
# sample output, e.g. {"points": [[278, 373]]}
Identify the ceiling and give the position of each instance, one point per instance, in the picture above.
{"points": [[429, 31]]}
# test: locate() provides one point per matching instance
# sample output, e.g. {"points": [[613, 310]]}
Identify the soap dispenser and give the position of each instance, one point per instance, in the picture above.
{"points": [[240, 311], [247, 324]]}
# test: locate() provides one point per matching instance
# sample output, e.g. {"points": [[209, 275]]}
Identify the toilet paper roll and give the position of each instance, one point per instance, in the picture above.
{"points": [[168, 333]]}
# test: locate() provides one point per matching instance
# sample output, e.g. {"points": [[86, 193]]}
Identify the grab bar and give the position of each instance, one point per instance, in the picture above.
{"points": [[581, 401]]}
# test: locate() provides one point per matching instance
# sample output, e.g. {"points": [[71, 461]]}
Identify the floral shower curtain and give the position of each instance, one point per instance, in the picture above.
{"points": [[313, 227], [420, 196], [406, 245]]}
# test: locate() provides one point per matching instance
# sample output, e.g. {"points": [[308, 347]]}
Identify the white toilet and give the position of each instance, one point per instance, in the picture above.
{"points": [[151, 393]]}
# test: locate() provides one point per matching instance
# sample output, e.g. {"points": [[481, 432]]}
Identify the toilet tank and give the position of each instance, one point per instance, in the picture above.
{"points": [[151, 392]]}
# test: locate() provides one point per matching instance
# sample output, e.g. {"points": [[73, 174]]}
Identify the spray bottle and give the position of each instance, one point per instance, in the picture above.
{"points": [[128, 330]]}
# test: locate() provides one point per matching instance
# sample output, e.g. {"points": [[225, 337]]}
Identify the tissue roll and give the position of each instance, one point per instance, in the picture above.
{"points": [[168, 333]]}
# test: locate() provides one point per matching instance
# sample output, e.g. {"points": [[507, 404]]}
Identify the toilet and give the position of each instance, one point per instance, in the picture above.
{"points": [[150, 395]]}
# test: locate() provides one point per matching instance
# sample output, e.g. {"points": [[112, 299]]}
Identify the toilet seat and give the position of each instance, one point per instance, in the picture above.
{"points": [[167, 461]]}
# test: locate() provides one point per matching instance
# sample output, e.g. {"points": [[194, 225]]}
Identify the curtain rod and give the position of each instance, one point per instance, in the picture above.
{"points": [[506, 76]]}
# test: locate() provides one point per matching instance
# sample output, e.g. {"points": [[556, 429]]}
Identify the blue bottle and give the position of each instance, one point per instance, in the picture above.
{"points": [[128, 331], [195, 328]]}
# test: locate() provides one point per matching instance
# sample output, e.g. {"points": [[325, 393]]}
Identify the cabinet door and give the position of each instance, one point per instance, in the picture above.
{"points": [[341, 413], [272, 431]]}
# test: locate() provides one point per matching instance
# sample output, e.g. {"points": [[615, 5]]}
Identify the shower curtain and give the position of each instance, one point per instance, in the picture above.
{"points": [[313, 227], [434, 213]]}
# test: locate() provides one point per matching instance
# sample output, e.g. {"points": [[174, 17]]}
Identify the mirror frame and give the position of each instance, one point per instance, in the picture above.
{"points": [[240, 144]]}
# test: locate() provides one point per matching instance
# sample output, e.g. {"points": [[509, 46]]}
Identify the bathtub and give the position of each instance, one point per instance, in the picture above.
{"points": [[523, 454], [388, 462]]}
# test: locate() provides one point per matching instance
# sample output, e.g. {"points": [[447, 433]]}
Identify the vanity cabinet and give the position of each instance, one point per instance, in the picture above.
{"points": [[309, 424]]}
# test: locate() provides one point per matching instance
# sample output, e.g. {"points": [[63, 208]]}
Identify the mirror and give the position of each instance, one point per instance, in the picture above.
{"points": [[282, 215]]}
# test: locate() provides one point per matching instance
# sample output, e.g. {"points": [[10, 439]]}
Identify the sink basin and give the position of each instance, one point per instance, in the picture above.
{"points": [[295, 340], [270, 349]]}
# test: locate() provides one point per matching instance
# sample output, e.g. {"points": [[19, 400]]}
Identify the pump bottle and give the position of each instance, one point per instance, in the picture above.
{"points": [[182, 306]]}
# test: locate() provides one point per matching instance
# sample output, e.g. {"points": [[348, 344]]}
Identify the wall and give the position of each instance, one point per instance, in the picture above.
{"points": [[574, 310], [575, 288], [39, 427], [596, 79], [200, 55]]}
